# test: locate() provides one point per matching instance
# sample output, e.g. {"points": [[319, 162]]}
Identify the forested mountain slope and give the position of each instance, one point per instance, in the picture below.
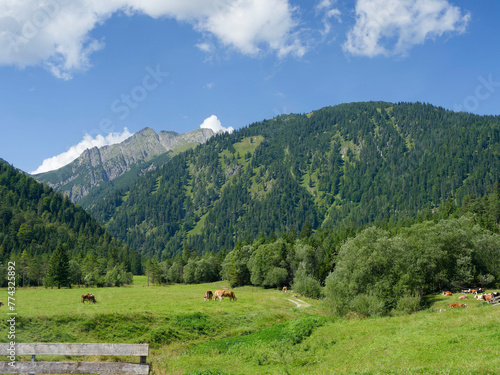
{"points": [[35, 220], [342, 166]]}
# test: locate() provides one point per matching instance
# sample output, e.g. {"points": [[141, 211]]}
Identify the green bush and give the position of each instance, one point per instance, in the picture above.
{"points": [[367, 305], [275, 277], [409, 304], [307, 286]]}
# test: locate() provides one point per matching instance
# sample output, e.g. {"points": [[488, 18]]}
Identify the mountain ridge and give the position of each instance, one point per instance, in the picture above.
{"points": [[98, 165]]}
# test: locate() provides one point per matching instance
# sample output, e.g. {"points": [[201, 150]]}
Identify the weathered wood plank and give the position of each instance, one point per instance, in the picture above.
{"points": [[105, 368], [76, 349]]}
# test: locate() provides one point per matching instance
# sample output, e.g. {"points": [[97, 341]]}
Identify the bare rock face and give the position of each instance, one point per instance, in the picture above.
{"points": [[97, 165]]}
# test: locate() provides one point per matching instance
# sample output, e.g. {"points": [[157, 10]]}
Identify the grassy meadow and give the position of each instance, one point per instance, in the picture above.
{"points": [[262, 332]]}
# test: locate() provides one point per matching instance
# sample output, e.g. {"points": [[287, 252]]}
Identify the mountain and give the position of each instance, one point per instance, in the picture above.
{"points": [[338, 167], [35, 220], [99, 165]]}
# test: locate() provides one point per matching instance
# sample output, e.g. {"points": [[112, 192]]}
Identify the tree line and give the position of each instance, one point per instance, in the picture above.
{"points": [[376, 270]]}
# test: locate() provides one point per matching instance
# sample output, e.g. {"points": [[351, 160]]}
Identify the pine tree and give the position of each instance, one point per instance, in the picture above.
{"points": [[59, 268]]}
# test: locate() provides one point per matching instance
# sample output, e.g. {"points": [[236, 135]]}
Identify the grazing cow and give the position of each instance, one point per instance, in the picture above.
{"points": [[466, 291], [218, 294], [229, 294], [452, 305], [208, 295], [480, 290], [447, 293], [479, 297], [224, 293], [285, 289], [89, 298], [462, 297], [474, 291], [1, 303]]}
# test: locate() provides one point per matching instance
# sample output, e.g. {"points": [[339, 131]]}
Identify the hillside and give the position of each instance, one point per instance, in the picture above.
{"points": [[97, 166], [35, 220], [340, 167]]}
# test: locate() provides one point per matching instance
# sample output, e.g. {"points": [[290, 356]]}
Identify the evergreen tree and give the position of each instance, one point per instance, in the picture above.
{"points": [[59, 268]]}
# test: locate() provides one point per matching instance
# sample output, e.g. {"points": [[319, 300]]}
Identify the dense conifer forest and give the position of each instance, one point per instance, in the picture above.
{"points": [[338, 168], [35, 221]]}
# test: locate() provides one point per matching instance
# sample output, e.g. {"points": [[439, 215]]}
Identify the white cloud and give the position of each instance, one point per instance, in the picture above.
{"points": [[55, 33], [205, 47], [75, 151], [327, 9], [214, 123], [246, 25], [392, 27]]}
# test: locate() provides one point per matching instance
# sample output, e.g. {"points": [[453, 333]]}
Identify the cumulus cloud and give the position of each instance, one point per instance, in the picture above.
{"points": [[56, 33], [392, 27], [214, 123], [75, 151]]}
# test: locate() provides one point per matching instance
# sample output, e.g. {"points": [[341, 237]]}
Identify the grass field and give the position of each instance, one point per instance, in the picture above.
{"points": [[262, 332]]}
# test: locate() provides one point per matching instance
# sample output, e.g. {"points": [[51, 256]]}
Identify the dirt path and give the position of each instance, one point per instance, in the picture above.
{"points": [[300, 303]]}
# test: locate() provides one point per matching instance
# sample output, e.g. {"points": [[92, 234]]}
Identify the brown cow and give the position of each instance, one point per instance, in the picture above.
{"points": [[484, 297], [474, 291], [224, 293], [208, 295], [230, 294], [89, 298], [462, 297], [447, 293], [285, 289], [452, 305], [218, 294]]}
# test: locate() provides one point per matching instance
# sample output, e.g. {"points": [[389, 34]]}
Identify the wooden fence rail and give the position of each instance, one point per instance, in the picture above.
{"points": [[495, 301], [43, 367]]}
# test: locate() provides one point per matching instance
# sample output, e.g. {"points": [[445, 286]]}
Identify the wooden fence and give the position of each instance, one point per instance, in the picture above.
{"points": [[44, 367], [495, 301]]}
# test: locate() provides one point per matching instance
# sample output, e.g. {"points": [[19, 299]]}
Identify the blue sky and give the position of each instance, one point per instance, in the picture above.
{"points": [[79, 69]]}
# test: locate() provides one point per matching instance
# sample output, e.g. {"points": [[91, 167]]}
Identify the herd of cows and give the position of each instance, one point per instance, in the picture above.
{"points": [[480, 297]]}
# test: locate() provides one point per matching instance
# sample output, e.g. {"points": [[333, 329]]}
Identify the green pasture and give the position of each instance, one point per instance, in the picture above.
{"points": [[262, 332]]}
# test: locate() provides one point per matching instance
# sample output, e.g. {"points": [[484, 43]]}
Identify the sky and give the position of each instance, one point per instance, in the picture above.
{"points": [[82, 73]]}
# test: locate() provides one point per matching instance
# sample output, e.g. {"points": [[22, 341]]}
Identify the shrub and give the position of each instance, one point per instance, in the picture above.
{"points": [[409, 304], [367, 305], [307, 286], [275, 277]]}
